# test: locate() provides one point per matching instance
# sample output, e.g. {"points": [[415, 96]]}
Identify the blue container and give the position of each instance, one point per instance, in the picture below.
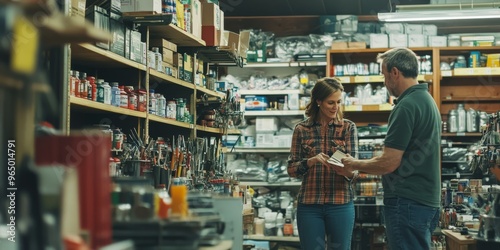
{"points": [[255, 102]]}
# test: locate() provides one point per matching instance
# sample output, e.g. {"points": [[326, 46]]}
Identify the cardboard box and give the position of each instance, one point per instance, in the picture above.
{"points": [[210, 15], [417, 40], [162, 43], [117, 29], [379, 41], [266, 124], [398, 40], [430, 30], [77, 9], [128, 40], [264, 139], [167, 56], [135, 46], [438, 41], [394, 28], [100, 18], [339, 45], [149, 6], [196, 18], [356, 45], [211, 35], [233, 39], [413, 28], [244, 43]]}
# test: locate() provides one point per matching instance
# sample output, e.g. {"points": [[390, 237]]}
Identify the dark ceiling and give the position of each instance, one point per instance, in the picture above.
{"points": [[310, 7]]}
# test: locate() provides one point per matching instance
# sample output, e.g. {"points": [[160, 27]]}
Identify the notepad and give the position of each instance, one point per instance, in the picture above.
{"points": [[336, 158]]}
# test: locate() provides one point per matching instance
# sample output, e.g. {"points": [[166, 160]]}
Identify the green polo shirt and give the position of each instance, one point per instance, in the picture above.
{"points": [[415, 127]]}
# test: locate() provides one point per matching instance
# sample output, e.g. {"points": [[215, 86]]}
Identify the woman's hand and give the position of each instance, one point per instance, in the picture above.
{"points": [[319, 158], [346, 170]]}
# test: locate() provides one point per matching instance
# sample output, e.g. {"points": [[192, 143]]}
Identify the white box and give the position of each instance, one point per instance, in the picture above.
{"points": [[430, 30], [379, 41], [264, 140], [394, 28], [438, 41], [195, 18], [266, 124], [417, 40], [141, 6], [283, 141], [413, 28], [398, 40]]}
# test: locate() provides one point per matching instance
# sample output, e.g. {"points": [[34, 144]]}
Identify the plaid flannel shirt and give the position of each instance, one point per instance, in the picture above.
{"points": [[320, 184]]}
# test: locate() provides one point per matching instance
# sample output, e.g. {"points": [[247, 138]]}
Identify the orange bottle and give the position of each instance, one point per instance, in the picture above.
{"points": [[179, 205]]}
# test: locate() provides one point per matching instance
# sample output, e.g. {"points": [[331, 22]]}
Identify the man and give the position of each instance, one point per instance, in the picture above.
{"points": [[410, 163]]}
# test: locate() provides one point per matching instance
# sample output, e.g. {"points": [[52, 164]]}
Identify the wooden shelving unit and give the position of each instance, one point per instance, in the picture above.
{"points": [[89, 54], [272, 238], [170, 79], [92, 106], [274, 112], [176, 35], [210, 92]]}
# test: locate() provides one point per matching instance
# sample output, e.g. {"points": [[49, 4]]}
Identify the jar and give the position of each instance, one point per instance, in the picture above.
{"points": [[161, 101], [74, 81], [452, 121], [141, 100], [461, 118], [132, 98], [135, 193], [158, 60], [92, 88], [115, 94], [117, 139], [180, 109], [107, 93], [471, 120], [123, 98], [100, 92], [152, 102], [171, 110], [83, 85]]}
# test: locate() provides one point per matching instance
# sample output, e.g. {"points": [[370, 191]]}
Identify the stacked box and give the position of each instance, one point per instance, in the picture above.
{"points": [[78, 9], [100, 18], [117, 29], [135, 46]]}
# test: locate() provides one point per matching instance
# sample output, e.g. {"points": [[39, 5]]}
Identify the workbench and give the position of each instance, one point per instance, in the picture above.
{"points": [[456, 241]]}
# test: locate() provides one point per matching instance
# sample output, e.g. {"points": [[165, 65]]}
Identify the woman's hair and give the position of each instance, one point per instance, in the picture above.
{"points": [[323, 89], [402, 59]]}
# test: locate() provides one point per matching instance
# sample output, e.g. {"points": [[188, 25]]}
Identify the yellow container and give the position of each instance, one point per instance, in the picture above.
{"points": [[179, 200], [493, 60]]}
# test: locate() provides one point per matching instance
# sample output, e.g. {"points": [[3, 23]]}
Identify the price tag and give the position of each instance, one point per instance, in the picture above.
{"points": [[487, 71], [446, 73], [191, 126], [345, 79], [461, 134]]}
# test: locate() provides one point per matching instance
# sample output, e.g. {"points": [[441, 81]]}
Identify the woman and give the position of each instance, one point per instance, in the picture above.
{"points": [[325, 208]]}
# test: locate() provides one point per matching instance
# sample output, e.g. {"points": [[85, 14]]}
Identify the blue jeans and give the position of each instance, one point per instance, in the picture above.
{"points": [[315, 221], [408, 224]]}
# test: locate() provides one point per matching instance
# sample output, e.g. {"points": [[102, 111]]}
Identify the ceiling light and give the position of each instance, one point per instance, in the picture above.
{"points": [[437, 15]]}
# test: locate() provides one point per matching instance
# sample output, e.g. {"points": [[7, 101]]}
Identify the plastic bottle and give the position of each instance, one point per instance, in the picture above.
{"points": [[123, 98], [171, 110], [100, 92], [107, 93], [152, 102], [115, 94], [83, 85], [462, 120], [178, 192], [279, 224], [161, 105], [180, 109], [91, 89], [74, 83], [158, 60], [132, 98]]}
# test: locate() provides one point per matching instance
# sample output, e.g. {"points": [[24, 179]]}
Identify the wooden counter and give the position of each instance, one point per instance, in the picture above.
{"points": [[456, 241]]}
